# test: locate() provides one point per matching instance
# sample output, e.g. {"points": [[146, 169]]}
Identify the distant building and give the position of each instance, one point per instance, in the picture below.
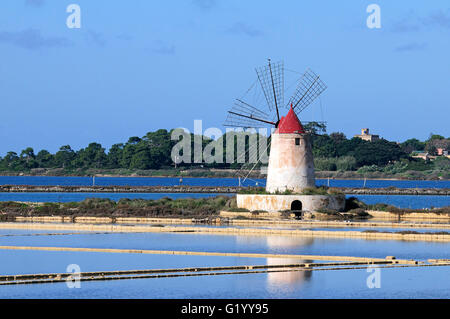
{"points": [[442, 152], [366, 136]]}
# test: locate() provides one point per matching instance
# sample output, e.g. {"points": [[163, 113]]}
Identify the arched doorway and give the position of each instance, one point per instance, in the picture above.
{"points": [[296, 208]]}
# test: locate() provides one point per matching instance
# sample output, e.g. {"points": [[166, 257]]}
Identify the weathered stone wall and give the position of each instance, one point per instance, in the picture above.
{"points": [[413, 216], [291, 166], [276, 203], [206, 189], [213, 230]]}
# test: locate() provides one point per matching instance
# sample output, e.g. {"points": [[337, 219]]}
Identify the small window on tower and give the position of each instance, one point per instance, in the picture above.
{"points": [[297, 141]]}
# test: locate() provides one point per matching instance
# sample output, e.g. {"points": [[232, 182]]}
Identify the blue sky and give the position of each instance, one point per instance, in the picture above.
{"points": [[137, 66]]}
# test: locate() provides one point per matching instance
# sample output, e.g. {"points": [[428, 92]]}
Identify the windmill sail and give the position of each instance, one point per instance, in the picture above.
{"points": [[271, 78], [309, 88], [245, 115]]}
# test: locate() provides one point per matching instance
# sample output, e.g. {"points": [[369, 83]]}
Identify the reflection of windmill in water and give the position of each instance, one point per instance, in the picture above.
{"points": [[284, 280], [289, 167], [287, 280]]}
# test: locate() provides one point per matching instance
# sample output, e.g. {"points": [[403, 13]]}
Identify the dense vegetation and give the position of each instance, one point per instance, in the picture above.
{"points": [[333, 152], [202, 208], [100, 207]]}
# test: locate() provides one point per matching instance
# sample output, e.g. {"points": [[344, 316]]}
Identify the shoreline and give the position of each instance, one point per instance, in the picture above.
{"points": [[383, 220], [206, 189], [356, 178], [233, 231]]}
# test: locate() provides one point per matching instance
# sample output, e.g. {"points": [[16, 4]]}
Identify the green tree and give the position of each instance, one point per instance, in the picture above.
{"points": [[92, 156], [325, 164], [315, 127], [435, 137], [411, 145], [115, 156], [64, 157], [323, 146], [159, 146], [442, 163], [28, 158], [45, 159], [379, 153], [338, 137], [12, 162], [346, 163]]}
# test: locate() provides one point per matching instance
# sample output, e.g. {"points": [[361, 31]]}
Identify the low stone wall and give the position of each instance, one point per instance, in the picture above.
{"points": [[408, 216], [232, 231], [207, 189], [333, 224], [264, 219], [271, 216], [277, 203], [104, 220], [117, 189]]}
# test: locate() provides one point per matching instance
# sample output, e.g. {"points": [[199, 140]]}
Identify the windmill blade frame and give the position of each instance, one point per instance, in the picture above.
{"points": [[245, 115], [271, 79], [309, 88]]}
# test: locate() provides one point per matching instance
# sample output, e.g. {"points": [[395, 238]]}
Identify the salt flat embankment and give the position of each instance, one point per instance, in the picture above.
{"points": [[438, 237], [206, 189]]}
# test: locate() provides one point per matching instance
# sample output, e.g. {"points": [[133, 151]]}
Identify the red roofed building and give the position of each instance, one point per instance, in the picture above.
{"points": [[291, 165], [290, 124]]}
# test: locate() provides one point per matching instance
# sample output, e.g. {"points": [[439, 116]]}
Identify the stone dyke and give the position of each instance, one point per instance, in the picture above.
{"points": [[228, 217], [206, 189], [234, 231], [116, 189], [409, 216]]}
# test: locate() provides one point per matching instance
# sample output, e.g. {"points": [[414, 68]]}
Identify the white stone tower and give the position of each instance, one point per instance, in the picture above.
{"points": [[291, 165]]}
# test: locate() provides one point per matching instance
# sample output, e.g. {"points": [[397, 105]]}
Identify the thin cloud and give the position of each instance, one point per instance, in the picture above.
{"points": [[439, 19], [34, 3], [32, 39], [411, 47], [405, 26], [95, 38], [125, 37], [242, 28], [163, 48], [205, 4]]}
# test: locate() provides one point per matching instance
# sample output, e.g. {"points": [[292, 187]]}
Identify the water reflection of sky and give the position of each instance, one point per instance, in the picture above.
{"points": [[240, 244], [396, 283], [344, 284], [170, 181]]}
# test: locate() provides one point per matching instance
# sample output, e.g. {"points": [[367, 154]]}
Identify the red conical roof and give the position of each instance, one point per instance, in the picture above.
{"points": [[290, 124]]}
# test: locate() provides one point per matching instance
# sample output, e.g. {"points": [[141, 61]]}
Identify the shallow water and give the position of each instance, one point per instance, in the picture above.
{"points": [[170, 181], [406, 201], [345, 284], [240, 244], [76, 197], [426, 282]]}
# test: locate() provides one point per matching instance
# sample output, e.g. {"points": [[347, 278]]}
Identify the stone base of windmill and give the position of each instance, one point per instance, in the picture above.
{"points": [[302, 204]]}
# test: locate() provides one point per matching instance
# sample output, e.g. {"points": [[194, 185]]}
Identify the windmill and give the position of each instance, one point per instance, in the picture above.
{"points": [[290, 163]]}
